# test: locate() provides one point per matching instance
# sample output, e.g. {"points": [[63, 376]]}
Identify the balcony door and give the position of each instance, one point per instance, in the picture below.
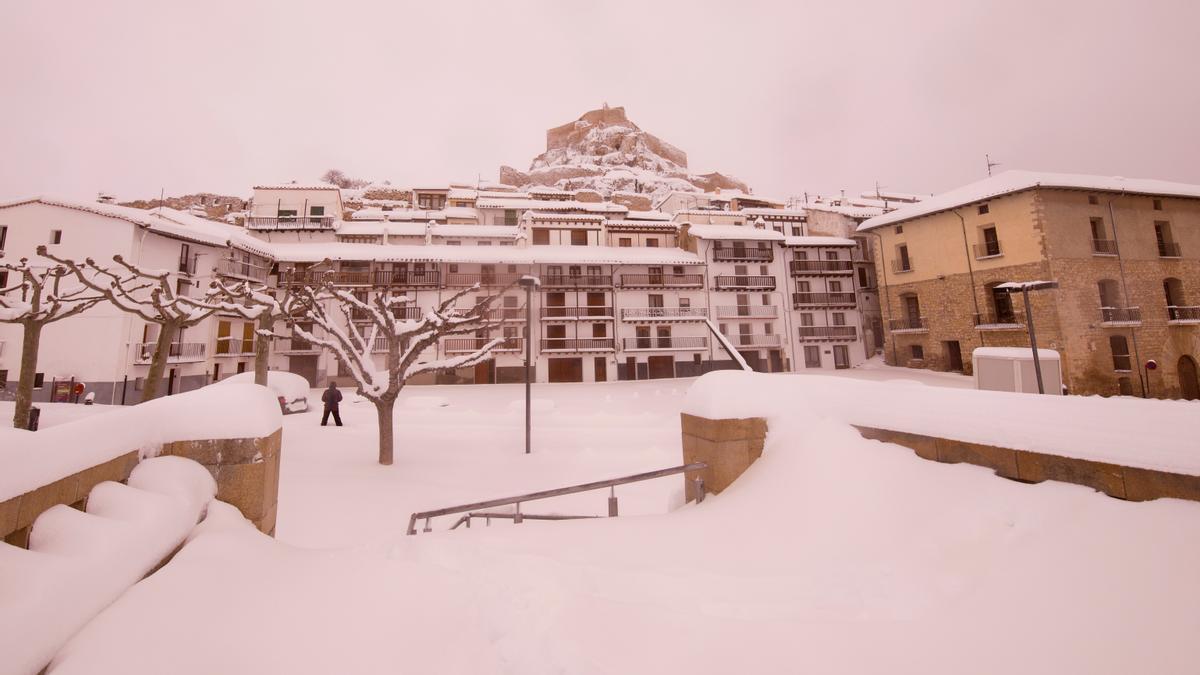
{"points": [[912, 310], [595, 304], [656, 276]]}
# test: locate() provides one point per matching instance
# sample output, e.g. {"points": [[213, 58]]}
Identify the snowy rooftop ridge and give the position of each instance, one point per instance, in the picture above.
{"points": [[1009, 182], [293, 185], [602, 255], [704, 231]]}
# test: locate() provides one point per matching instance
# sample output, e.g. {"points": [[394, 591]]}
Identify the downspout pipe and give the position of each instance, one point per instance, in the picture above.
{"points": [[887, 295]]}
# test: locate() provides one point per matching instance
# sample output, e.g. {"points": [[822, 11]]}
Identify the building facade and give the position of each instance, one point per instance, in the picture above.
{"points": [[1124, 253]]}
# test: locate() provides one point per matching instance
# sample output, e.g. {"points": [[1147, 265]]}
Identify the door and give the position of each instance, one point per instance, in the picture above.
{"points": [[776, 360], [485, 372], [171, 382], [642, 334], [841, 356], [223, 329], [656, 276], [954, 355], [304, 366], [1189, 379], [600, 364], [661, 367], [248, 338], [566, 370], [596, 306]]}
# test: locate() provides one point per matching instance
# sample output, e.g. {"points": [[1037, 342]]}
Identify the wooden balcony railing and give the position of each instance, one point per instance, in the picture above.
{"points": [[664, 313], [577, 344], [577, 281], [407, 313], [986, 320], [470, 279], [667, 342], [754, 340], [1183, 314], [1169, 249], [908, 323], [901, 265], [1121, 315], [810, 333], [805, 299], [296, 345], [407, 278], [739, 282], [506, 314], [178, 352], [289, 222], [739, 254], [243, 270], [988, 249], [747, 311], [812, 268], [664, 280], [470, 344], [234, 346], [577, 312]]}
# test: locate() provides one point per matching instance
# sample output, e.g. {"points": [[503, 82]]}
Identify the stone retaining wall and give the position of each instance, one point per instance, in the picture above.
{"points": [[728, 446]]}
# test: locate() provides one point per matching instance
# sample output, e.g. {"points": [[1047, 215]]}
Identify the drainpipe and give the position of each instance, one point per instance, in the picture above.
{"points": [[970, 271], [886, 294], [1142, 377]]}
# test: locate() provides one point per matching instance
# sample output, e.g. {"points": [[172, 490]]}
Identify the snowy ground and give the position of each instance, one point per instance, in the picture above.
{"points": [[54, 414], [831, 554]]}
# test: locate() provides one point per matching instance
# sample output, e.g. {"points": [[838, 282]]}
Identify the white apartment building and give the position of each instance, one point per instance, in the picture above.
{"points": [[624, 294]]}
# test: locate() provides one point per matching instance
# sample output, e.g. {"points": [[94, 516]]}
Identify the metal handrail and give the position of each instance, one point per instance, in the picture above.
{"points": [[546, 494]]}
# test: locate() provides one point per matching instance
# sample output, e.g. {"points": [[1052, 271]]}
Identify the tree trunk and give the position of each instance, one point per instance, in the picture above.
{"points": [[262, 348], [32, 337], [385, 409], [158, 363]]}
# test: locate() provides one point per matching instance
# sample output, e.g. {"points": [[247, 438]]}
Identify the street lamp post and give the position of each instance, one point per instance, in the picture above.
{"points": [[1025, 287], [529, 282]]}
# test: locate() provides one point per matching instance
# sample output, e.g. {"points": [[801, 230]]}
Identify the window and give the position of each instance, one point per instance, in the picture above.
{"points": [[453, 242], [863, 279], [903, 262], [510, 217], [1119, 346], [831, 255], [991, 243], [55, 236], [182, 288], [806, 319], [766, 298], [899, 229], [1002, 305], [286, 215], [579, 237], [685, 302], [651, 243], [484, 243], [1158, 205], [39, 380], [453, 268], [3, 235], [812, 356], [983, 209], [316, 211], [1167, 247], [1093, 200], [917, 352], [507, 243], [835, 286], [1124, 386], [838, 318], [655, 300], [541, 237], [625, 242]]}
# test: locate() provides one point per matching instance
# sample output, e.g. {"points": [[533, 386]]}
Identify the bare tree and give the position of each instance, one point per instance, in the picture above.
{"points": [[256, 303], [37, 297], [148, 295], [339, 178], [402, 340]]}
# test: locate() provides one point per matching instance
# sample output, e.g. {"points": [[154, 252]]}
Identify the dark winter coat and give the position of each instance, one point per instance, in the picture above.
{"points": [[331, 398]]}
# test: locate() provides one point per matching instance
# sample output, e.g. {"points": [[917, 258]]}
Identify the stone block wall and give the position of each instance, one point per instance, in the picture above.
{"points": [[727, 446], [246, 471]]}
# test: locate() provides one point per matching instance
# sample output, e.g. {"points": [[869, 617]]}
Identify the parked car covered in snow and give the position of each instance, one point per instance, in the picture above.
{"points": [[291, 389]]}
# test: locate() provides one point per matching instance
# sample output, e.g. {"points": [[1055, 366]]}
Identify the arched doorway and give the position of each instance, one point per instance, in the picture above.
{"points": [[1189, 380]]}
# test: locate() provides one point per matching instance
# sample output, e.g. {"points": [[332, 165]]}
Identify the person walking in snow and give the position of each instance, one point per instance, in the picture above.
{"points": [[331, 398]]}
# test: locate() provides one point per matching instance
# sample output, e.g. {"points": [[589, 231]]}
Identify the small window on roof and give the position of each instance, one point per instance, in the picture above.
{"points": [[1158, 205], [983, 209], [1093, 199], [899, 229], [55, 236]]}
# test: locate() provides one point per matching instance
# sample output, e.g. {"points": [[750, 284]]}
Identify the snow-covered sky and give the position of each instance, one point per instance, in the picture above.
{"points": [[134, 97]]}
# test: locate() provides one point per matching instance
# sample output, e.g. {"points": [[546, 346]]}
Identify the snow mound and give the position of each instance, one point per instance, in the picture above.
{"points": [[425, 402], [537, 405]]}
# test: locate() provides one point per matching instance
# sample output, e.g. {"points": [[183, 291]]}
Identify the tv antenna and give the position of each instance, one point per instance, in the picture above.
{"points": [[990, 164]]}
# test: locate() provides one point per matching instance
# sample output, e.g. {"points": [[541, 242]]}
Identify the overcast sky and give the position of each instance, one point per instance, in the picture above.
{"points": [[134, 97]]}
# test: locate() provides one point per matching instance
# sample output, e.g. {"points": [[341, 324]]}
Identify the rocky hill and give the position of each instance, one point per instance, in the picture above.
{"points": [[605, 151]]}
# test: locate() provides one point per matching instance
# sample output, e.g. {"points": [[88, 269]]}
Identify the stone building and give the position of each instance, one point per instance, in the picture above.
{"points": [[1125, 254]]}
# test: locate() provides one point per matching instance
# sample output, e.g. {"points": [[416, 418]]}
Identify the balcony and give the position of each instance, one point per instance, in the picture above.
{"points": [[459, 279], [231, 346], [828, 333], [664, 314], [296, 346], [590, 313], [745, 283], [988, 249], [910, 324], [992, 321], [747, 312], [754, 340], [1182, 316], [662, 281], [289, 223], [577, 345], [902, 265], [472, 344], [1120, 316], [242, 270], [804, 299], [1169, 249], [577, 281], [1104, 247], [407, 313], [816, 268], [740, 254], [178, 352], [666, 342], [404, 278], [506, 314]]}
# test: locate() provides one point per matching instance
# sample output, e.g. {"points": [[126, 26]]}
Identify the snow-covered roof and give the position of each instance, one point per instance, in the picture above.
{"points": [[647, 215], [460, 212], [845, 209], [317, 251], [721, 213], [497, 231], [296, 186], [819, 241], [641, 225], [462, 193], [548, 205], [162, 220], [895, 196], [756, 211], [572, 217], [545, 190], [734, 232], [1017, 181]]}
